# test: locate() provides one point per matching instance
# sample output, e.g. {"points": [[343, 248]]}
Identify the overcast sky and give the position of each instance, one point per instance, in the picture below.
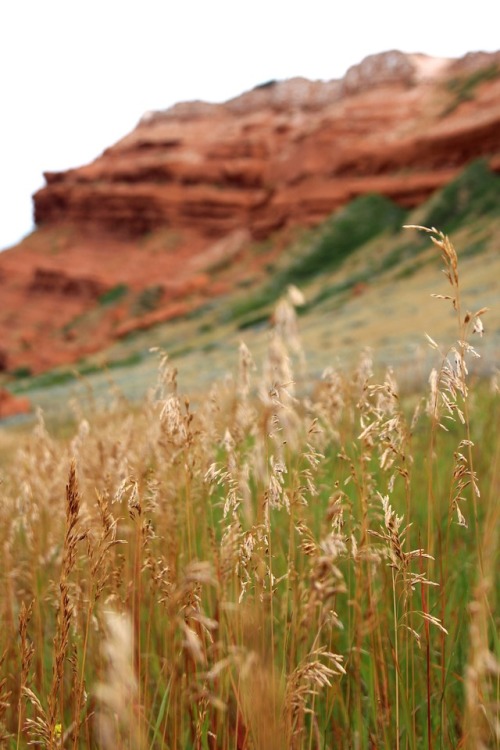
{"points": [[75, 76]]}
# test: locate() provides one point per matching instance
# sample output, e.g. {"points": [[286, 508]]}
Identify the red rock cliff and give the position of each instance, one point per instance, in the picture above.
{"points": [[287, 152], [209, 178]]}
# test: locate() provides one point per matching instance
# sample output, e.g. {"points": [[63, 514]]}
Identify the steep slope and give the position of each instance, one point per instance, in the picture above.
{"points": [[141, 236], [366, 282]]}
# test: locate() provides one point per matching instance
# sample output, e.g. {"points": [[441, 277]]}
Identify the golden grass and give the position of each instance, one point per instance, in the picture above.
{"points": [[273, 569]]}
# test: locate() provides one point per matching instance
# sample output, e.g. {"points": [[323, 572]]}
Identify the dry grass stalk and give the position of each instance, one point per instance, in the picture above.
{"points": [[482, 677], [118, 720], [5, 698], [482, 673], [27, 652], [65, 612]]}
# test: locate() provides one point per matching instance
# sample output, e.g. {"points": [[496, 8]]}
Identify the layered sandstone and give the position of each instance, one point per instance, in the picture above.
{"points": [[286, 152], [11, 405], [191, 188]]}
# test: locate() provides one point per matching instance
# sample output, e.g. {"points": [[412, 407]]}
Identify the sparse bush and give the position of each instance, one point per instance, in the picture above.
{"points": [[113, 295], [148, 299], [21, 372]]}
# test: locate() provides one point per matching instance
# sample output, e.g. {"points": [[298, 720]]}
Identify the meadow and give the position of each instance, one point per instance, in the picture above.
{"points": [[267, 567]]}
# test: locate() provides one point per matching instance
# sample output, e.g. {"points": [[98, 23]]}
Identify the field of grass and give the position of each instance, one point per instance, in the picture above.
{"points": [[269, 567]]}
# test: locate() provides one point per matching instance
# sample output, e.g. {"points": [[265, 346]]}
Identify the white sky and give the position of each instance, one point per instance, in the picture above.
{"points": [[76, 75]]}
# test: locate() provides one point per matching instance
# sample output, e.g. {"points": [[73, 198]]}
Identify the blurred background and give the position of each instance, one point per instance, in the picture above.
{"points": [[77, 76]]}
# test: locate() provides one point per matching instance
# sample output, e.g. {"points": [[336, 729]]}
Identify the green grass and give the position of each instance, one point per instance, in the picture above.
{"points": [[21, 372], [113, 295], [347, 230], [27, 382], [472, 195], [325, 252]]}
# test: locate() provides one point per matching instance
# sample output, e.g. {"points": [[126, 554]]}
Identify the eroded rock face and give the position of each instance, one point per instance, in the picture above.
{"points": [[58, 283], [188, 191], [286, 152], [392, 67], [12, 405]]}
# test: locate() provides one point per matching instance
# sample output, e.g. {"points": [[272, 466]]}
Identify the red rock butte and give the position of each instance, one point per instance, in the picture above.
{"points": [[216, 177]]}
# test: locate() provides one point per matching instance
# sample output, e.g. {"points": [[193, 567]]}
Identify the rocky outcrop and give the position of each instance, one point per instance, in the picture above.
{"points": [[58, 283], [289, 152], [11, 405], [191, 188]]}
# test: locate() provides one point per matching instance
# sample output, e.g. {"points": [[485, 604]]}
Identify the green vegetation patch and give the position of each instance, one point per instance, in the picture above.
{"points": [[21, 372], [343, 233], [44, 380], [360, 221], [148, 300], [463, 87], [473, 194], [113, 295], [26, 382]]}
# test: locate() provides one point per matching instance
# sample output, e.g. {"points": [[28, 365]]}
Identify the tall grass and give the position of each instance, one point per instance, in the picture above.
{"points": [[271, 569]]}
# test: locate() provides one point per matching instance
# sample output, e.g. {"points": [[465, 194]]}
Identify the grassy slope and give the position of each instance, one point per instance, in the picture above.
{"points": [[366, 282]]}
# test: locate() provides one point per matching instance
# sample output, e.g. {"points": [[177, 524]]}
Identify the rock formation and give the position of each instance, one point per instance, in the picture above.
{"points": [[194, 185], [286, 152], [12, 405]]}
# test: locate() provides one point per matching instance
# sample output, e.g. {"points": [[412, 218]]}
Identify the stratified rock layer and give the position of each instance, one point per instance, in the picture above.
{"points": [[191, 187], [11, 406], [288, 152]]}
